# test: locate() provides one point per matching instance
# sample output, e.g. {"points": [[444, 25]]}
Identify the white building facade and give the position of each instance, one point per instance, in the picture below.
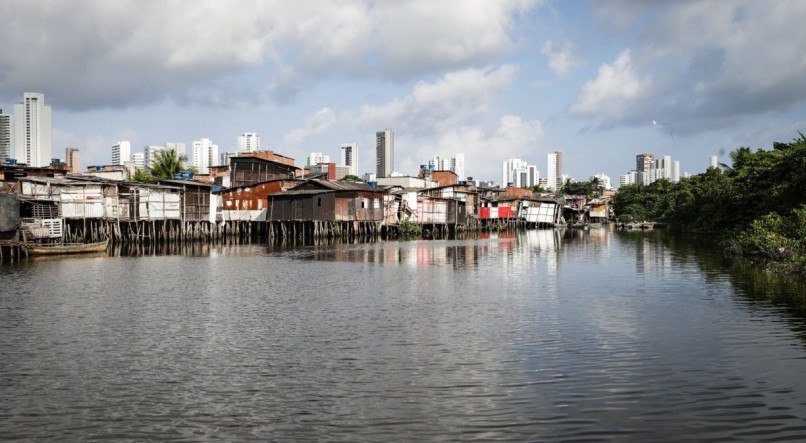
{"points": [[554, 170], [121, 152], [248, 142], [32, 131], [205, 154], [315, 158]]}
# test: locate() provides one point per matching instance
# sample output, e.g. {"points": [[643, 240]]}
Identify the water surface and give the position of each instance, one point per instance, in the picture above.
{"points": [[544, 335]]}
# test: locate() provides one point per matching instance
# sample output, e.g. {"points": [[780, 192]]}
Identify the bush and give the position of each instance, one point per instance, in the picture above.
{"points": [[408, 228]]}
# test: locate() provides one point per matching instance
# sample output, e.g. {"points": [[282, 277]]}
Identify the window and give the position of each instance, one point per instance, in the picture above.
{"points": [[319, 201]]}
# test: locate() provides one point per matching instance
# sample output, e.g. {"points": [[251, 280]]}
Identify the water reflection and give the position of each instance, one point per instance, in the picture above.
{"points": [[538, 335]]}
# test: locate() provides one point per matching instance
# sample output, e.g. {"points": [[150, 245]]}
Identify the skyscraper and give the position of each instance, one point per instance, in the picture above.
{"points": [[32, 130], [384, 152], [248, 142], [5, 137], [205, 154], [138, 160], [511, 172], [121, 152], [554, 170], [713, 162], [676, 171], [644, 166], [315, 158], [150, 154], [73, 160], [458, 166], [349, 156], [178, 147]]}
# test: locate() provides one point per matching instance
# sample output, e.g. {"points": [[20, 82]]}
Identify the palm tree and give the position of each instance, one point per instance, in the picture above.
{"points": [[167, 164]]}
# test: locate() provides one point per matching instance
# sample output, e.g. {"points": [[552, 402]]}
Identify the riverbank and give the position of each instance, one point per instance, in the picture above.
{"points": [[755, 208]]}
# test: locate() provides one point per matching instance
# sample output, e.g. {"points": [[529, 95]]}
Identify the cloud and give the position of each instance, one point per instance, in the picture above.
{"points": [[316, 124], [452, 114], [457, 97], [700, 66], [614, 91], [127, 52], [561, 56]]}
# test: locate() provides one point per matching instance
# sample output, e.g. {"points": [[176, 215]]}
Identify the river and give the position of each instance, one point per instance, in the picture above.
{"points": [[541, 335]]}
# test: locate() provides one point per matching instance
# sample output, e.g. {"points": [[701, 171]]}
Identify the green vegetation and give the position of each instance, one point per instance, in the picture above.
{"points": [[756, 207], [167, 164], [142, 175], [408, 228], [352, 178], [591, 188]]}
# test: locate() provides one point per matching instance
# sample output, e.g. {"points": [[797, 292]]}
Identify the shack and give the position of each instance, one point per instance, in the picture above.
{"points": [[326, 200], [251, 202], [320, 208], [198, 203], [257, 167], [462, 192], [599, 210]]}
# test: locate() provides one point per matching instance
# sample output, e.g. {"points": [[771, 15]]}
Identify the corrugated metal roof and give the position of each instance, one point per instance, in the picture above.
{"points": [[304, 192], [345, 185], [187, 182]]}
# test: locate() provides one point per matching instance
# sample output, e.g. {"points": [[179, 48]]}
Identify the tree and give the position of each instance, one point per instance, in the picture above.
{"points": [[167, 164], [142, 175], [351, 178]]}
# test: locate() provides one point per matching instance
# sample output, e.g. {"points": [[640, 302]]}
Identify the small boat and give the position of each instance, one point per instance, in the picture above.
{"points": [[64, 248]]}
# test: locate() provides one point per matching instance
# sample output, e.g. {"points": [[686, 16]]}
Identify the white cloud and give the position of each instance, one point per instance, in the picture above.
{"points": [[561, 56], [455, 98], [127, 52], [704, 65], [456, 113], [316, 124], [614, 90]]}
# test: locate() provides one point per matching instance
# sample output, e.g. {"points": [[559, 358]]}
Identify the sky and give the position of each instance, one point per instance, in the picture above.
{"points": [[499, 79]]}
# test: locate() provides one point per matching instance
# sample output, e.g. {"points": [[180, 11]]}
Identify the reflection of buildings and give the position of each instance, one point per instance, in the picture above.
{"points": [[651, 254]]}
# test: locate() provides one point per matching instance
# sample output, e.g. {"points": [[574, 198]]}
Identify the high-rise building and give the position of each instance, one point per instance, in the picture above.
{"points": [[248, 142], [5, 137], [511, 172], [138, 160], [150, 154], [645, 168], [676, 171], [349, 156], [73, 159], [205, 154], [121, 152], [604, 180], [384, 153], [32, 130], [315, 158], [713, 162], [178, 147], [458, 166], [630, 178], [554, 170]]}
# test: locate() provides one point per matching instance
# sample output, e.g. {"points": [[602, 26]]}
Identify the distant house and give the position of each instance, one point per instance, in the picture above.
{"points": [[443, 178], [251, 202], [256, 167], [199, 203], [462, 192], [322, 200]]}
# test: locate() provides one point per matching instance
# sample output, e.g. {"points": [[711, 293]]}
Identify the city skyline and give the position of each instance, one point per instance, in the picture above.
{"points": [[506, 79]]}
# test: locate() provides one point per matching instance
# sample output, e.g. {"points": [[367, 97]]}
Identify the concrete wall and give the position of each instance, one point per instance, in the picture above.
{"points": [[9, 213]]}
